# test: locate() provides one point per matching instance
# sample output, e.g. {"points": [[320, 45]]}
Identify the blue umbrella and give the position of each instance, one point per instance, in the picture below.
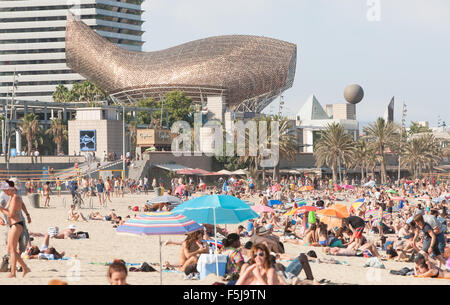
{"points": [[216, 209], [227, 209], [273, 202], [360, 200]]}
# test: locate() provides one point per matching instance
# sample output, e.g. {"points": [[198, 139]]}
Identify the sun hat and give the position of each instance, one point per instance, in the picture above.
{"points": [[5, 186], [261, 231], [72, 227]]}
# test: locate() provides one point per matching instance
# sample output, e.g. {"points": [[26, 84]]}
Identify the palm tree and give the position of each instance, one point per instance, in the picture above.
{"points": [[61, 94], [382, 135], [421, 152], [361, 158], [59, 132], [334, 148], [29, 126], [287, 143]]}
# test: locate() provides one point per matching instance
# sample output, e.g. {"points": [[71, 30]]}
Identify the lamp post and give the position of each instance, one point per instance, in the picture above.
{"points": [[8, 123], [124, 166], [401, 139]]}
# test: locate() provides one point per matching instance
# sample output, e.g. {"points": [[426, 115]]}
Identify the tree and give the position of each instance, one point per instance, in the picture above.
{"points": [[29, 126], [362, 157], [81, 92], [287, 143], [334, 148], [61, 94], [421, 152], [382, 135], [415, 128], [180, 107], [59, 132]]}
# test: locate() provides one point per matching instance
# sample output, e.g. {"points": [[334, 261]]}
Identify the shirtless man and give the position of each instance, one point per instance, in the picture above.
{"points": [[16, 224]]}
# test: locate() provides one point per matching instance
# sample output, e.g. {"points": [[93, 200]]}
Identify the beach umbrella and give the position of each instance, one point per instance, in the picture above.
{"points": [[216, 209], [164, 199], [164, 223], [331, 213], [361, 200], [392, 191], [357, 205], [301, 210], [347, 186], [273, 202], [260, 208], [370, 184], [306, 188], [397, 198]]}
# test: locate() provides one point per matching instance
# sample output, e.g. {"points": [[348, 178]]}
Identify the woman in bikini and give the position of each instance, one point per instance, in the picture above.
{"points": [[47, 191], [259, 270], [16, 224]]}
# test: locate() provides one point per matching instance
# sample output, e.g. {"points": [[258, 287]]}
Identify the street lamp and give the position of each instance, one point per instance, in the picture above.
{"points": [[401, 138], [8, 123]]}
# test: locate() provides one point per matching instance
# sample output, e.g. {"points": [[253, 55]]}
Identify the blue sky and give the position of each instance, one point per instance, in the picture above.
{"points": [[405, 54]]}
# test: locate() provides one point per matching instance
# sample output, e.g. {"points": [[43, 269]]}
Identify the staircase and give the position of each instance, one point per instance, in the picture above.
{"points": [[141, 167]]}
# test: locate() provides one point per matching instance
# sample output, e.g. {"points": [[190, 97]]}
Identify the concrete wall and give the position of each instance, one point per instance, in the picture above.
{"points": [[108, 133]]}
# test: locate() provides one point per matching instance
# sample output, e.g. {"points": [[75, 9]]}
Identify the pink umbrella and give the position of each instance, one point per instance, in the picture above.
{"points": [[260, 208], [180, 189], [397, 198], [348, 186]]}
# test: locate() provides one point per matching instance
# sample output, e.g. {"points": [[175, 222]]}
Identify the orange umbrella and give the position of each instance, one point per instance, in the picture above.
{"points": [[336, 210], [306, 188]]}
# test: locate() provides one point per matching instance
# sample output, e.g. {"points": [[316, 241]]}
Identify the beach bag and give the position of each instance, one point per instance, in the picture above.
{"points": [[80, 235], [311, 217]]}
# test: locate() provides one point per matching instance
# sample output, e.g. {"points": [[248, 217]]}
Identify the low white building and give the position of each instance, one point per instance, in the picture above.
{"points": [[312, 118]]}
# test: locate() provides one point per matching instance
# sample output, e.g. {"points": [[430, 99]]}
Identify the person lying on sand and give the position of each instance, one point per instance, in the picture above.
{"points": [[45, 252], [67, 233], [424, 271]]}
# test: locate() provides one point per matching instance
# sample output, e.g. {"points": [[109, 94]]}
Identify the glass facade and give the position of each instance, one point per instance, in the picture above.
{"points": [[32, 40]]}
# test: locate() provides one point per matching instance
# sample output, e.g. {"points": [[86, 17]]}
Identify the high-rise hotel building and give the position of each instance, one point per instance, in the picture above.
{"points": [[32, 40]]}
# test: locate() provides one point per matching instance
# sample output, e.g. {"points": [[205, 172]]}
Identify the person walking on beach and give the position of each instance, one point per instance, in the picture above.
{"points": [[16, 224]]}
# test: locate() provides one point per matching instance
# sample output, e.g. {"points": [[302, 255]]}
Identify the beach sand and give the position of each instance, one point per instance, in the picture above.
{"points": [[105, 244]]}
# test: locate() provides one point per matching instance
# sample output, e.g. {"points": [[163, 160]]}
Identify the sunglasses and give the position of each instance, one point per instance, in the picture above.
{"points": [[260, 254]]}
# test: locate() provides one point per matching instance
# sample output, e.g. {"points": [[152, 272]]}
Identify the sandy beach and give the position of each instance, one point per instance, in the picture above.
{"points": [[87, 256]]}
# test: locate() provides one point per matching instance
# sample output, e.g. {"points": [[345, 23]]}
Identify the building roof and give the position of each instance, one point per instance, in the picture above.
{"points": [[312, 110]]}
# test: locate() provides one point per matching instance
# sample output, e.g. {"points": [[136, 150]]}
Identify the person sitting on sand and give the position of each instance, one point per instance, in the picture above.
{"points": [[263, 236], [231, 245], [74, 215], [259, 270], [190, 251]]}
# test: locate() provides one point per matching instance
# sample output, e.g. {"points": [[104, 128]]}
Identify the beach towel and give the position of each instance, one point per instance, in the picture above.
{"points": [[375, 263]]}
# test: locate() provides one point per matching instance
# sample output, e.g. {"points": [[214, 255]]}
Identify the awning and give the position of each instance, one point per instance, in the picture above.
{"points": [[192, 171], [171, 167]]}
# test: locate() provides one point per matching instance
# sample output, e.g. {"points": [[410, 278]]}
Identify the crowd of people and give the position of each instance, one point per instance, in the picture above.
{"points": [[404, 222]]}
